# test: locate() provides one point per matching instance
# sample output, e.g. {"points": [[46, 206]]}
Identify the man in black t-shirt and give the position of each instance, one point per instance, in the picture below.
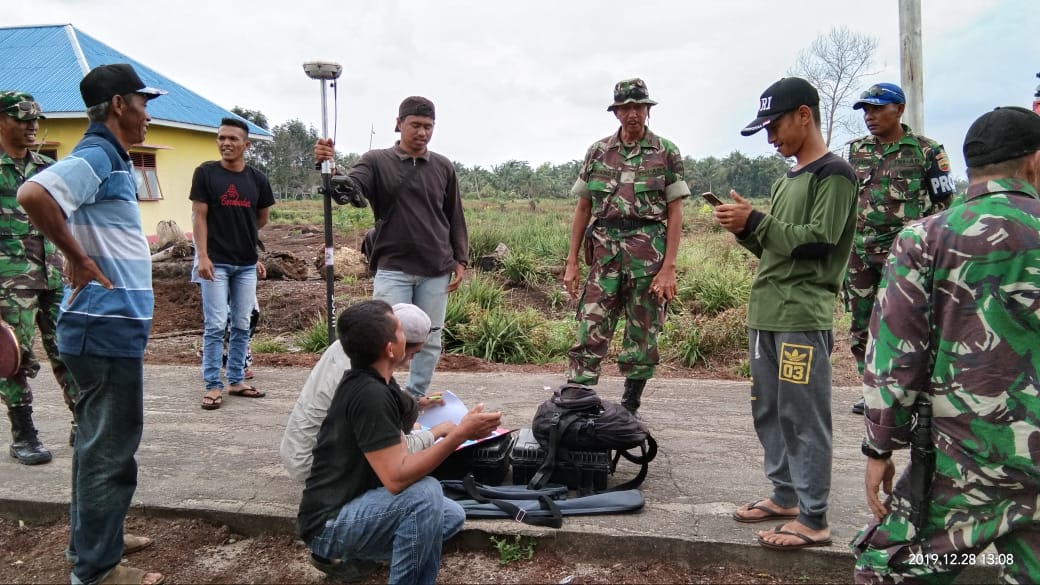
{"points": [[230, 203], [367, 498]]}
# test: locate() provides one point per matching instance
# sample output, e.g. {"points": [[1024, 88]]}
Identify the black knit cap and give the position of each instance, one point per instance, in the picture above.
{"points": [[1004, 134], [414, 106]]}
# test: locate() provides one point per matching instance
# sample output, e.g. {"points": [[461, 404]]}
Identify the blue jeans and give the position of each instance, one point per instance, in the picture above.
{"points": [[407, 530], [110, 418], [232, 288], [429, 293]]}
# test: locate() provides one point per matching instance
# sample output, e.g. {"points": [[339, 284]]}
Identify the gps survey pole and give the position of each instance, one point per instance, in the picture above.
{"points": [[327, 71]]}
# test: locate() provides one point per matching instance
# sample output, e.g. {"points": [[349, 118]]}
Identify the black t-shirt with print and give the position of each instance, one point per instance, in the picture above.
{"points": [[233, 200]]}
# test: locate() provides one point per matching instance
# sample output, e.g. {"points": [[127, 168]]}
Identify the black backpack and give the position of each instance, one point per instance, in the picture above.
{"points": [[576, 419]]}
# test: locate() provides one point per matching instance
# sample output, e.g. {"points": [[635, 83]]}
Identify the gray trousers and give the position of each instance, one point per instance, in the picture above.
{"points": [[791, 407]]}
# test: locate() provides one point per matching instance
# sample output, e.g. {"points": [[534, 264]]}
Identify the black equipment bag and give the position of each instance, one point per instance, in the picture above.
{"points": [[576, 418]]}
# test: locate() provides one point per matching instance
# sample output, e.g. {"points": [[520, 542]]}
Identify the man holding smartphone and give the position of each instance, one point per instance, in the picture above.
{"points": [[902, 178], [631, 186]]}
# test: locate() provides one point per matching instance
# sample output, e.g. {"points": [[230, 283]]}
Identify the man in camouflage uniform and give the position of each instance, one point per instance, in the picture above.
{"points": [[957, 322], [632, 186], [30, 275], [902, 178]]}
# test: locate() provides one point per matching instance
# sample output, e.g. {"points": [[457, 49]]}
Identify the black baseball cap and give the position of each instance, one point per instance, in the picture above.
{"points": [[102, 82], [785, 95], [1004, 134]]}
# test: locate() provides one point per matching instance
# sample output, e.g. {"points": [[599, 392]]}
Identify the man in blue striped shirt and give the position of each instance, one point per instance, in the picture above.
{"points": [[87, 205]]}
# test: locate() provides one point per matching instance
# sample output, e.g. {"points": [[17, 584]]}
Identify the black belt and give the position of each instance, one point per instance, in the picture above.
{"points": [[625, 224]]}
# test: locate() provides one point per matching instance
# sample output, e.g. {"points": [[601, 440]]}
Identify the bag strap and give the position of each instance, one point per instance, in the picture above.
{"points": [[648, 451], [559, 424], [554, 520]]}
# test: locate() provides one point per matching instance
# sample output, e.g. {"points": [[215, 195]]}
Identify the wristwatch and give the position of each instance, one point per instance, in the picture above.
{"points": [[872, 452]]}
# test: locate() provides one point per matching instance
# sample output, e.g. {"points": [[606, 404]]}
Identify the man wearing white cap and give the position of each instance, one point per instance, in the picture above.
{"points": [[301, 432]]}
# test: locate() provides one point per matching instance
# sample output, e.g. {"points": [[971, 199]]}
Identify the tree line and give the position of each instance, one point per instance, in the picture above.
{"points": [[838, 63], [288, 162]]}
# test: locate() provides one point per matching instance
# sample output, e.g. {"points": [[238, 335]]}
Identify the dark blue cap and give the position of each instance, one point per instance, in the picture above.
{"points": [[880, 94]]}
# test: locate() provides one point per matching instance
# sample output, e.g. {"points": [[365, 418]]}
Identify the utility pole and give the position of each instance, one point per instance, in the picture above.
{"points": [[1036, 98], [371, 134], [911, 63]]}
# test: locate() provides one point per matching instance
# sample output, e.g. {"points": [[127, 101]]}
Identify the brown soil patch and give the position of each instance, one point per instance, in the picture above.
{"points": [[195, 551]]}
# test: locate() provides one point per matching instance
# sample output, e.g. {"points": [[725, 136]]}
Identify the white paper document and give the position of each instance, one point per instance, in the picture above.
{"points": [[452, 410]]}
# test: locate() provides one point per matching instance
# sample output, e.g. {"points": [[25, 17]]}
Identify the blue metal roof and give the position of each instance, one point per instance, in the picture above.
{"points": [[49, 62]]}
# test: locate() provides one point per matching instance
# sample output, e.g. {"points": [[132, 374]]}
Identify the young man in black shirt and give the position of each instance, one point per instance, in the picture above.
{"points": [[230, 203], [367, 498]]}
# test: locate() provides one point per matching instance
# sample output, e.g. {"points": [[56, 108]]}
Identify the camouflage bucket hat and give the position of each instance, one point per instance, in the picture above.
{"points": [[631, 91], [20, 106]]}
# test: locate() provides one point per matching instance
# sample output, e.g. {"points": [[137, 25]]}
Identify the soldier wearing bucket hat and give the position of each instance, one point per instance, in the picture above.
{"points": [[30, 285], [87, 205], [902, 177], [803, 244], [957, 325], [629, 219]]}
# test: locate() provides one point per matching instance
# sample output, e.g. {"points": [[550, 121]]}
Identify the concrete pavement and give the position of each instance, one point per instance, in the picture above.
{"points": [[223, 465]]}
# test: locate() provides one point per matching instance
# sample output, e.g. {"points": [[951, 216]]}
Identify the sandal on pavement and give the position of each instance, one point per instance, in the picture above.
{"points": [[124, 575], [133, 543], [770, 513], [212, 402], [806, 541], [247, 392]]}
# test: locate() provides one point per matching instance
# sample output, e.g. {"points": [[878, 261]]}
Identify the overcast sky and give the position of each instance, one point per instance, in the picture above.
{"points": [[531, 80]]}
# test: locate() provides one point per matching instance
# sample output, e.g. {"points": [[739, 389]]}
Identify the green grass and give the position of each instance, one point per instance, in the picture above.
{"points": [[268, 345], [521, 548], [706, 322], [315, 339]]}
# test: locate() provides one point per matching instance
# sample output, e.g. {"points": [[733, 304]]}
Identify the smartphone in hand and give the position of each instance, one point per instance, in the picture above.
{"points": [[711, 198]]}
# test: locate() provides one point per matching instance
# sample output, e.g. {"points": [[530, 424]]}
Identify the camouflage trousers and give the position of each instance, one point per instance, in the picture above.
{"points": [[25, 310], [610, 293], [861, 285], [959, 527]]}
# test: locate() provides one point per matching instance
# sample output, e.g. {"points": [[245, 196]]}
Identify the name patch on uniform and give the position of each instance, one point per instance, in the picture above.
{"points": [[795, 363]]}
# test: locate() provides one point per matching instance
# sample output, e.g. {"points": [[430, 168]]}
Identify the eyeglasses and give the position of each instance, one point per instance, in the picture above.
{"points": [[877, 91], [24, 109]]}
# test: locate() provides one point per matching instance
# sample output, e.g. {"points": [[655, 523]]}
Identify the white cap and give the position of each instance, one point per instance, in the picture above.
{"points": [[415, 321]]}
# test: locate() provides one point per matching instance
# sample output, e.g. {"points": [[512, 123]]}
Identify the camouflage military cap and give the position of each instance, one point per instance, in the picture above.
{"points": [[20, 106], [631, 91]]}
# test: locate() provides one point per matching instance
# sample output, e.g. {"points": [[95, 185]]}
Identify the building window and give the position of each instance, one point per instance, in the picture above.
{"points": [[50, 152], [147, 176]]}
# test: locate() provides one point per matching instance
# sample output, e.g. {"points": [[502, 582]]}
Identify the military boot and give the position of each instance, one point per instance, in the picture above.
{"points": [[633, 392], [26, 447]]}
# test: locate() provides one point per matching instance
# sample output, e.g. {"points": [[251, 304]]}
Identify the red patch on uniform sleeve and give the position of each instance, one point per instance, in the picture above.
{"points": [[943, 161]]}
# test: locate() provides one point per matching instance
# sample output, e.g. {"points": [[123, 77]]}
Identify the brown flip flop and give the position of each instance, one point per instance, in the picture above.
{"points": [[247, 392], [125, 575], [806, 541], [214, 402], [770, 514], [133, 543]]}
